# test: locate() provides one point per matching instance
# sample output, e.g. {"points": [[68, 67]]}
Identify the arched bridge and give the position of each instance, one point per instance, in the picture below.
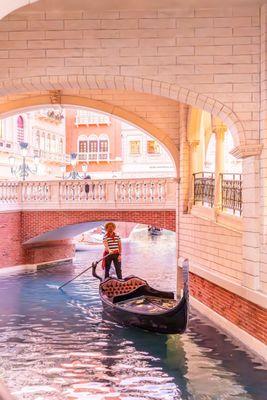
{"points": [[53, 212]]}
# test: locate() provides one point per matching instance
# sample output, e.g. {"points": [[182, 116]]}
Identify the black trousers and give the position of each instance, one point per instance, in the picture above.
{"points": [[117, 264]]}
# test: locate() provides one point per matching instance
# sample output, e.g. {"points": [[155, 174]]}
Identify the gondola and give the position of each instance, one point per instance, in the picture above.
{"points": [[132, 302], [154, 231]]}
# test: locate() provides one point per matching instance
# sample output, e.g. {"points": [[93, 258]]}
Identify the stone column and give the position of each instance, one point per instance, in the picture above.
{"points": [[251, 213], [219, 129], [193, 167]]}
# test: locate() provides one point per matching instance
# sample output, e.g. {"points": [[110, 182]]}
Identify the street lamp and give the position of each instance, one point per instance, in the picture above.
{"points": [[74, 174], [23, 170]]}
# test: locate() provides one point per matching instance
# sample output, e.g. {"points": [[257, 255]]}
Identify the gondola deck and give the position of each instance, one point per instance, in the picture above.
{"points": [[148, 304]]}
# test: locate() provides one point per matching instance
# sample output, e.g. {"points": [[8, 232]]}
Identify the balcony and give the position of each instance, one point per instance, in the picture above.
{"points": [[88, 118], [204, 184], [6, 146], [229, 189], [94, 157], [52, 157]]}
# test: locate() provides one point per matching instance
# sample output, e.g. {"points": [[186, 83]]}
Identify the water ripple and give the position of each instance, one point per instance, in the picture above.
{"points": [[57, 345]]}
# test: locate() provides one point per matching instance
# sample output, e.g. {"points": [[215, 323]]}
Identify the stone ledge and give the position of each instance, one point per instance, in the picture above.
{"points": [[226, 283], [227, 221], [256, 346], [247, 150]]}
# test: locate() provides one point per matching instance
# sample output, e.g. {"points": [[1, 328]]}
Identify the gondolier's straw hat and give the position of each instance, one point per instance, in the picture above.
{"points": [[108, 224]]}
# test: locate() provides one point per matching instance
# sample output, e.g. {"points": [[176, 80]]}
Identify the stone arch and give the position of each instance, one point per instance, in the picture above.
{"points": [[97, 105], [128, 83], [6, 7], [58, 225]]}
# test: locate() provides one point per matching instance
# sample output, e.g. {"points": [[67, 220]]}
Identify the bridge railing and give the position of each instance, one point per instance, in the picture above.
{"points": [[89, 194]]}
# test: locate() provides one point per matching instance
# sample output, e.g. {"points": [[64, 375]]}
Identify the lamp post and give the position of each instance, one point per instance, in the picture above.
{"points": [[23, 170], [74, 174]]}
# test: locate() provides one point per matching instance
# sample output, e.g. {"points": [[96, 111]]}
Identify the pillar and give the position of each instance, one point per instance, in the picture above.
{"points": [[219, 129], [251, 213], [193, 168]]}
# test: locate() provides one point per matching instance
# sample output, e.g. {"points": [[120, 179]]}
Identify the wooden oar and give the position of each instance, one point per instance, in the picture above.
{"points": [[91, 266]]}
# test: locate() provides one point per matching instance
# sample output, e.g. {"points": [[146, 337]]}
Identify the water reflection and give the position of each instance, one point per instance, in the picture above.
{"points": [[55, 345]]}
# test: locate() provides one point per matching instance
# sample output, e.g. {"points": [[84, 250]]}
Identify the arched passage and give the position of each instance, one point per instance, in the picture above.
{"points": [[61, 225], [10, 107], [175, 92]]}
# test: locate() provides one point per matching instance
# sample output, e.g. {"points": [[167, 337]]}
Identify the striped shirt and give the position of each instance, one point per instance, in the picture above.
{"points": [[112, 241]]}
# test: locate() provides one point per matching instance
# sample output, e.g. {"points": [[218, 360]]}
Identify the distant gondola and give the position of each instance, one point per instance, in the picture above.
{"points": [[154, 231], [131, 301]]}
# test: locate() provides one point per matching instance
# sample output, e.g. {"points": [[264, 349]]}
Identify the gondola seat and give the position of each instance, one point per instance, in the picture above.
{"points": [[114, 287]]}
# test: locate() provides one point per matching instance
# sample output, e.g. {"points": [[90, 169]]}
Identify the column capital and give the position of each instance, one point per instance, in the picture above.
{"points": [[218, 126], [193, 143], [246, 150]]}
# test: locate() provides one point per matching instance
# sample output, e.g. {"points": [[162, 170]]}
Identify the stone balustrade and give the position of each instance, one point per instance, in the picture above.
{"points": [[89, 194]]}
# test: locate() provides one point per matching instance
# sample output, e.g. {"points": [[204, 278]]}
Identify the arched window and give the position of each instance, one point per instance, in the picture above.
{"points": [[93, 147], [53, 144], [103, 144], [61, 146], [20, 129], [37, 140], [82, 144], [47, 143], [42, 142], [103, 147]]}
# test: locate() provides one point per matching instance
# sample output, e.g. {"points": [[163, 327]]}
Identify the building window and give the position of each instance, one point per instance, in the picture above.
{"points": [[153, 147], [53, 144], [135, 146], [93, 146], [47, 143], [42, 143], [61, 146], [103, 146], [37, 140], [20, 129], [83, 146]]}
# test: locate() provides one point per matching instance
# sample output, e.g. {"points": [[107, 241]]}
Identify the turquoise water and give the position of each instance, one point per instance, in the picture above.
{"points": [[56, 345]]}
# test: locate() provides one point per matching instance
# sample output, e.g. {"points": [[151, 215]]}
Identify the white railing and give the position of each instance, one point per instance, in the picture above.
{"points": [[84, 117], [10, 195], [89, 194], [94, 156]]}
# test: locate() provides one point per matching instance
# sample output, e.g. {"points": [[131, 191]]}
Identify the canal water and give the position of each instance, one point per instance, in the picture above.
{"points": [[56, 345]]}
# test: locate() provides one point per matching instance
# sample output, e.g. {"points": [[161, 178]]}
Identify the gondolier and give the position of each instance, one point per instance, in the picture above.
{"points": [[112, 243]]}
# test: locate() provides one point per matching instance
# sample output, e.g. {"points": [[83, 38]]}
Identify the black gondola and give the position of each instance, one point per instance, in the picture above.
{"points": [[131, 301], [154, 231]]}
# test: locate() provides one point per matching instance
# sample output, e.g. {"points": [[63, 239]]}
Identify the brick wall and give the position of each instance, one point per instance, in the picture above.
{"points": [[36, 222], [246, 315], [190, 48], [11, 252], [49, 251]]}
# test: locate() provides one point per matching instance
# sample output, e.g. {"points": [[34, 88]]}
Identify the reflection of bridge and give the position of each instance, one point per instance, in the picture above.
{"points": [[49, 213]]}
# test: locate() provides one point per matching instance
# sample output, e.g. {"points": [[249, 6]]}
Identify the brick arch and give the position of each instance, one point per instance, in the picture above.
{"points": [[97, 105], [37, 223], [128, 83]]}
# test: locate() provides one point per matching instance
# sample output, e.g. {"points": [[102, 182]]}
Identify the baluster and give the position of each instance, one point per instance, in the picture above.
{"points": [[144, 187], [130, 198], [152, 192], [101, 191], [159, 192], [137, 191]]}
